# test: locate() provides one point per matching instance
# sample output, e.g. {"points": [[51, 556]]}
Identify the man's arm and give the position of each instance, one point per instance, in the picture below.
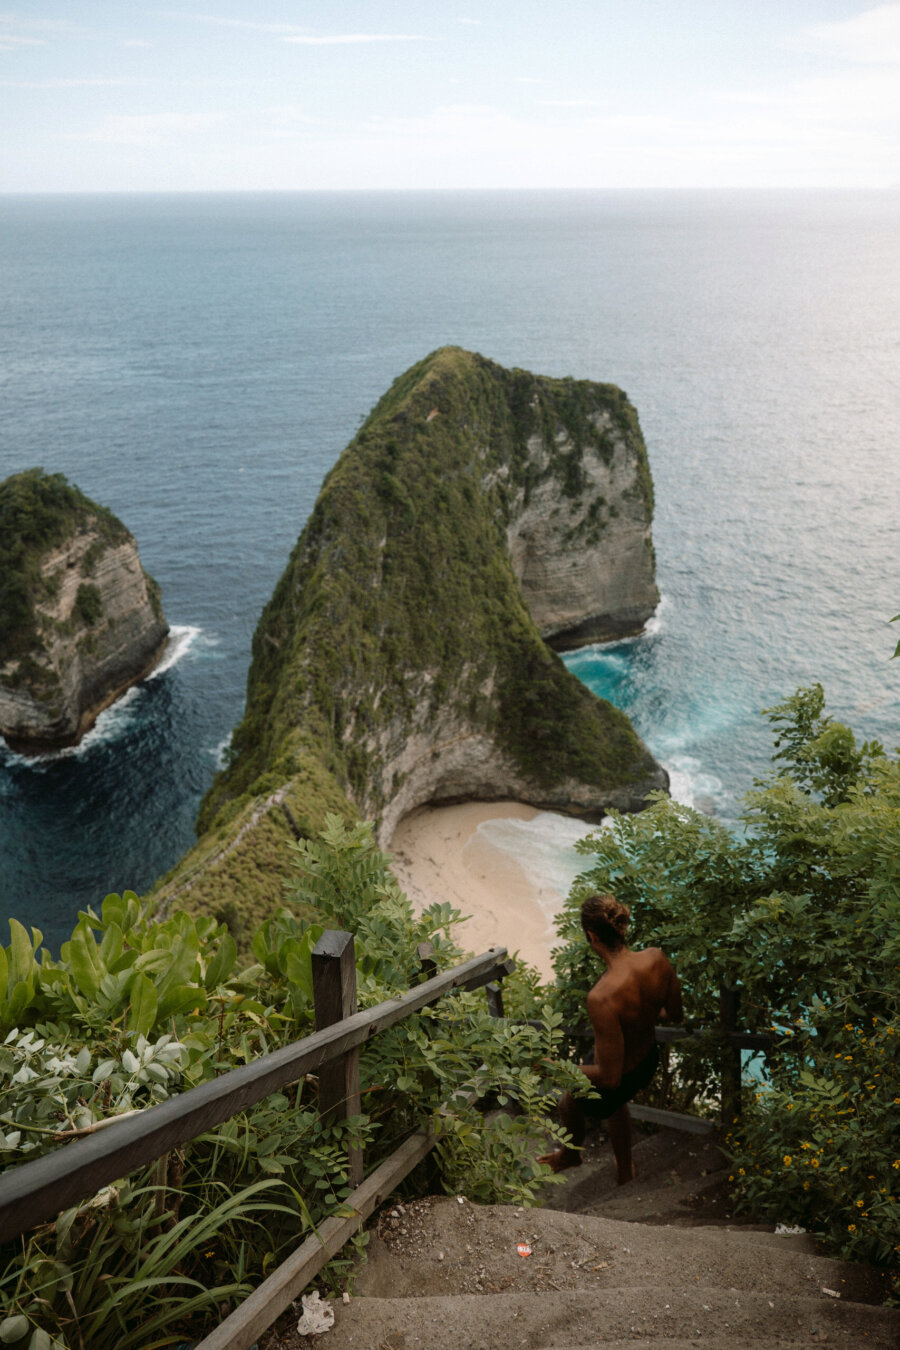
{"points": [[609, 1044]]}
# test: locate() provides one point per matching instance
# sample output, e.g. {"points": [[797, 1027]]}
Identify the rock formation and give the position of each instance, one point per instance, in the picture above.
{"points": [[401, 661], [81, 619], [579, 530]]}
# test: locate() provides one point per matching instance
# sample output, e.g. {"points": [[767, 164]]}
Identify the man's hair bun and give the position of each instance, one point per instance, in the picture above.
{"points": [[606, 918]]}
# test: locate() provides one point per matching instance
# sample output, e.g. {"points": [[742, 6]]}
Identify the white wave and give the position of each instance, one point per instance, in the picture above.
{"points": [[218, 752], [109, 726], [544, 847], [115, 720], [691, 786], [655, 625], [657, 621], [181, 638]]}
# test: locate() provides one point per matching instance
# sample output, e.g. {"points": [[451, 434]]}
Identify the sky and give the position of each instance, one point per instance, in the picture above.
{"points": [[231, 95]]}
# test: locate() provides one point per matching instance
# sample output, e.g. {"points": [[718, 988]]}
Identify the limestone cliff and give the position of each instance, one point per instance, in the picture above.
{"points": [[81, 619], [579, 529], [398, 662]]}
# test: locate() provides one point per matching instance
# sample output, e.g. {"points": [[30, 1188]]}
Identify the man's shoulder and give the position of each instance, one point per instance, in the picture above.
{"points": [[653, 956]]}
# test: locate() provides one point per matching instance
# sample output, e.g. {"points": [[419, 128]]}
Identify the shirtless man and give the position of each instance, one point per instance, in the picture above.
{"points": [[636, 990]]}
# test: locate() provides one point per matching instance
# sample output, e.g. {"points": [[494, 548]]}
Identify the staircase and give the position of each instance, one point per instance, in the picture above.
{"points": [[657, 1263]]}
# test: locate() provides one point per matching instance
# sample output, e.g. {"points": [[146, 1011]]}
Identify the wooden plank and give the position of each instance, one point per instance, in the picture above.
{"points": [[666, 1035], [675, 1120], [37, 1191], [334, 998], [269, 1300]]}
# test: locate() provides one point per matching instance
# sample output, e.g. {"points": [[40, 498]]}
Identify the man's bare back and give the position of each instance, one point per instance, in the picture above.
{"points": [[636, 990]]}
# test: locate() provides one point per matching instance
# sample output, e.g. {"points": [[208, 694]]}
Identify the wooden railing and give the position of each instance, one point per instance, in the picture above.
{"points": [[36, 1192]]}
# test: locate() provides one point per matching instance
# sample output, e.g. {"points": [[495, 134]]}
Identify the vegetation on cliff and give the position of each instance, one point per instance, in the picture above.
{"points": [[39, 512], [400, 599]]}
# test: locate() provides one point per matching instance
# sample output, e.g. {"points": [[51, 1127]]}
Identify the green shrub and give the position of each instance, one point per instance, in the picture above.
{"points": [[800, 914], [88, 602]]}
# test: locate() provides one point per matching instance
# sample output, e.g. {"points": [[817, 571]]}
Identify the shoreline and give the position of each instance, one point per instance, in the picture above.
{"points": [[440, 854]]}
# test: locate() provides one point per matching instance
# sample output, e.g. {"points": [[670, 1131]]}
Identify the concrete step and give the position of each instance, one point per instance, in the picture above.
{"points": [[444, 1245], [679, 1179], [568, 1318]]}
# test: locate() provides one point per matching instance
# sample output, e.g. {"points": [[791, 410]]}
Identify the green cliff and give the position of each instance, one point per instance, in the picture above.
{"points": [[398, 661]]}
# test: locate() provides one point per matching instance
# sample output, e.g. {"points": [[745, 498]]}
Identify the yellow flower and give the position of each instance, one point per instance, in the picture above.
{"points": [[788, 1160], [814, 1161], [860, 1203], [851, 1227]]}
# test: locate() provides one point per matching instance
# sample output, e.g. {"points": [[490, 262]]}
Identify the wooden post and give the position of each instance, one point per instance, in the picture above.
{"points": [[729, 1001], [494, 993], [427, 963], [334, 998]]}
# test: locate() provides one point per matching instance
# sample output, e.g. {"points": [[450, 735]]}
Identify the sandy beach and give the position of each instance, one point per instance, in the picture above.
{"points": [[440, 854]]}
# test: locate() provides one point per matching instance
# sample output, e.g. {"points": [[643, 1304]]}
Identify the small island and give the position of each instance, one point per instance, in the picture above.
{"points": [[80, 619]]}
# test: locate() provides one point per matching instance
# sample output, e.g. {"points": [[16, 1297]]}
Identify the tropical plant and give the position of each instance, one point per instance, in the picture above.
{"points": [[136, 1009]]}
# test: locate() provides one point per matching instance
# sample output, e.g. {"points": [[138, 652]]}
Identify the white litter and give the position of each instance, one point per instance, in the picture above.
{"points": [[318, 1315], [832, 1293], [788, 1230]]}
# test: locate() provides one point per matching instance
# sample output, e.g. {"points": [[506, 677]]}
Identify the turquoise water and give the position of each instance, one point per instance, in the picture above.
{"points": [[198, 363]]}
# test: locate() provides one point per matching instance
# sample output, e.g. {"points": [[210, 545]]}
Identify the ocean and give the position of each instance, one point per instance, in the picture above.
{"points": [[197, 364]]}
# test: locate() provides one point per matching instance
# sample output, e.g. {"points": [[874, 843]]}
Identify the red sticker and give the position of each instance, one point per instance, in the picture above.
{"points": [[523, 1249]]}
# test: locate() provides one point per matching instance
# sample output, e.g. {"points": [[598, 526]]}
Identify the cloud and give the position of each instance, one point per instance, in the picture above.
{"points": [[65, 84], [13, 42], [871, 38], [147, 129], [223, 21], [341, 39], [292, 32], [572, 103], [16, 33]]}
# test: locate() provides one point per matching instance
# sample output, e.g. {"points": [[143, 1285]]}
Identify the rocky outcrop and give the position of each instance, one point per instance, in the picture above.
{"points": [[401, 657], [585, 561], [85, 620]]}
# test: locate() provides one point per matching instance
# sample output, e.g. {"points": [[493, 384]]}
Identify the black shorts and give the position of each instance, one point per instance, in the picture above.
{"points": [[611, 1100]]}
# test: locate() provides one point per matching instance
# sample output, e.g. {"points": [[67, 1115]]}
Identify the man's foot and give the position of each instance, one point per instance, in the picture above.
{"points": [[561, 1159]]}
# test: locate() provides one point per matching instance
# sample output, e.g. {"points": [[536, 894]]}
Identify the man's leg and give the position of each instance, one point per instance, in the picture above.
{"points": [[619, 1127], [572, 1119]]}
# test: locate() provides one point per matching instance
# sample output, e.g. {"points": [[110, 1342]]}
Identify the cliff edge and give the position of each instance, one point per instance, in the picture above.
{"points": [[80, 619], [401, 660]]}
